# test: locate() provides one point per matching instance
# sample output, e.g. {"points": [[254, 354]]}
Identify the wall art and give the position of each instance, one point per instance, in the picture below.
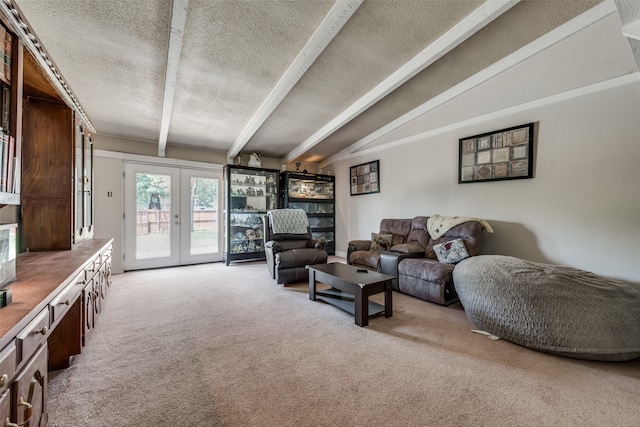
{"points": [[365, 178], [498, 155]]}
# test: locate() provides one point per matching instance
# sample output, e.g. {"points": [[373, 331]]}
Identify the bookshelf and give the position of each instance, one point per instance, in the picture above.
{"points": [[9, 109]]}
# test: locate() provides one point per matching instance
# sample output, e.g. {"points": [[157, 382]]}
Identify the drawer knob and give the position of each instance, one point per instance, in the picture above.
{"points": [[42, 331], [65, 302], [8, 423], [4, 378]]}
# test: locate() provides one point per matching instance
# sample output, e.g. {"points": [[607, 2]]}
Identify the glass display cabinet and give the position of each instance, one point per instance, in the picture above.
{"points": [[315, 195], [249, 194]]}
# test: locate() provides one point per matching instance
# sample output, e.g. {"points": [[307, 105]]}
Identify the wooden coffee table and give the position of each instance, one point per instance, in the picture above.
{"points": [[350, 290]]}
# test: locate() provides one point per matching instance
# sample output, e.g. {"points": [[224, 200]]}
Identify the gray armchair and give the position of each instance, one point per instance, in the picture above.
{"points": [[289, 254]]}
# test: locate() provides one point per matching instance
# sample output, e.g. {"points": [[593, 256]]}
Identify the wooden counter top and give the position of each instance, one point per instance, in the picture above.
{"points": [[41, 276]]}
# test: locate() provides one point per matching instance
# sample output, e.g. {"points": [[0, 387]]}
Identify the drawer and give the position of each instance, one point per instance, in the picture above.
{"points": [[5, 407], [8, 365], [106, 254], [65, 299], [91, 268], [34, 334]]}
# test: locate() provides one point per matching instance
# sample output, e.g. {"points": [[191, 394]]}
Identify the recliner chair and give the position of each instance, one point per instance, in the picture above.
{"points": [[288, 254]]}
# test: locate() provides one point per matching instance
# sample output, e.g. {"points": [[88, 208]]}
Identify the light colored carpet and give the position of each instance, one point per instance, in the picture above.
{"points": [[216, 345]]}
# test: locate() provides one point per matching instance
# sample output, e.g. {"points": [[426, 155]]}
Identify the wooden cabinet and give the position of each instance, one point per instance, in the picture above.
{"points": [[47, 172], [45, 326], [30, 391], [23, 375], [7, 372], [57, 177], [65, 314], [5, 407], [88, 312]]}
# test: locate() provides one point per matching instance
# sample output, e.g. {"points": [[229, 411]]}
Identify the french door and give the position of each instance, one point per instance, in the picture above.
{"points": [[172, 216]]}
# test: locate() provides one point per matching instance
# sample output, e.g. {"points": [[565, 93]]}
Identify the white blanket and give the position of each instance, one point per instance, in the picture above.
{"points": [[290, 221], [438, 225]]}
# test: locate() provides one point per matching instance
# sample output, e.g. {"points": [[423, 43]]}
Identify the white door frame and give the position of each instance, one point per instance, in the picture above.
{"points": [[179, 208]]}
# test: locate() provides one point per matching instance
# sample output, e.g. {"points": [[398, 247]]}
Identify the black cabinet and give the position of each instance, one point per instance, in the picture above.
{"points": [[315, 194], [249, 194]]}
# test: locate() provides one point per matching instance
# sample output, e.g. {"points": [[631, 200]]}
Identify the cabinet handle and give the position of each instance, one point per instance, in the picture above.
{"points": [[42, 331], [8, 423], [4, 378], [65, 302], [27, 411]]}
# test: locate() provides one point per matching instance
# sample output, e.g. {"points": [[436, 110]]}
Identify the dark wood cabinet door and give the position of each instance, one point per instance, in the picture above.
{"points": [[47, 150], [47, 171], [30, 391], [46, 224]]}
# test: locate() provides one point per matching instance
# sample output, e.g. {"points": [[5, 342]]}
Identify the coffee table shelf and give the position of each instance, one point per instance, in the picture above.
{"points": [[346, 302]]}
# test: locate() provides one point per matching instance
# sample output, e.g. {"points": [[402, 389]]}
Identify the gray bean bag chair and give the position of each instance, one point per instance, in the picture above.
{"points": [[550, 308]]}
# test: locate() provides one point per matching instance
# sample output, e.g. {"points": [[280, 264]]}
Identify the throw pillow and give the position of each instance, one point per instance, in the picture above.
{"points": [[380, 242], [451, 252]]}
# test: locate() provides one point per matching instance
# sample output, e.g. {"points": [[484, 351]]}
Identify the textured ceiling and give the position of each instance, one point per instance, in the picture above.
{"points": [[296, 80]]}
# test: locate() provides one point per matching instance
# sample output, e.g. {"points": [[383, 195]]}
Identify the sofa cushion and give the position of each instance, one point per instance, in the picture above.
{"points": [[451, 252], [300, 257], [399, 228], [408, 248], [470, 232], [419, 235], [425, 269], [380, 242]]}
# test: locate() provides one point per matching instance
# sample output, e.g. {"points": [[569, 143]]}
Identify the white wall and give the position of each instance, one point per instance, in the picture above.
{"points": [[582, 209], [108, 199]]}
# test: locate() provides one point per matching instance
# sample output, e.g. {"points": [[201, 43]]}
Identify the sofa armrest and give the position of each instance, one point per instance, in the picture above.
{"points": [[357, 245], [389, 263], [273, 246], [360, 245], [316, 244]]}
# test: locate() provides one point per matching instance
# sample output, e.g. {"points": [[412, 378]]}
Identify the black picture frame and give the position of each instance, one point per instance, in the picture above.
{"points": [[365, 178], [503, 154]]}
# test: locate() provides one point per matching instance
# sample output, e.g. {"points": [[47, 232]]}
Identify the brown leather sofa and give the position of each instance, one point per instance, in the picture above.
{"points": [[412, 260]]}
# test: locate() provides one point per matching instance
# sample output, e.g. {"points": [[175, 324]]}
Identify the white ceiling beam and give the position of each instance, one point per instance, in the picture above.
{"points": [[632, 30], [178, 22], [475, 21], [628, 79], [326, 31], [542, 43]]}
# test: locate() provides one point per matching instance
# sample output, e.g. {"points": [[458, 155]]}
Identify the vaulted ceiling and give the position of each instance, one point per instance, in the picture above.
{"points": [[289, 79]]}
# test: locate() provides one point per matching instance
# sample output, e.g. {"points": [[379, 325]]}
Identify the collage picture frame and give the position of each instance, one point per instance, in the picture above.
{"points": [[499, 155], [365, 178]]}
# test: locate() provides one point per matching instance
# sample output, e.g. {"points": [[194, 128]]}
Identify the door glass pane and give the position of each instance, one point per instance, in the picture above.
{"points": [[153, 225], [88, 182], [79, 180], [204, 215]]}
